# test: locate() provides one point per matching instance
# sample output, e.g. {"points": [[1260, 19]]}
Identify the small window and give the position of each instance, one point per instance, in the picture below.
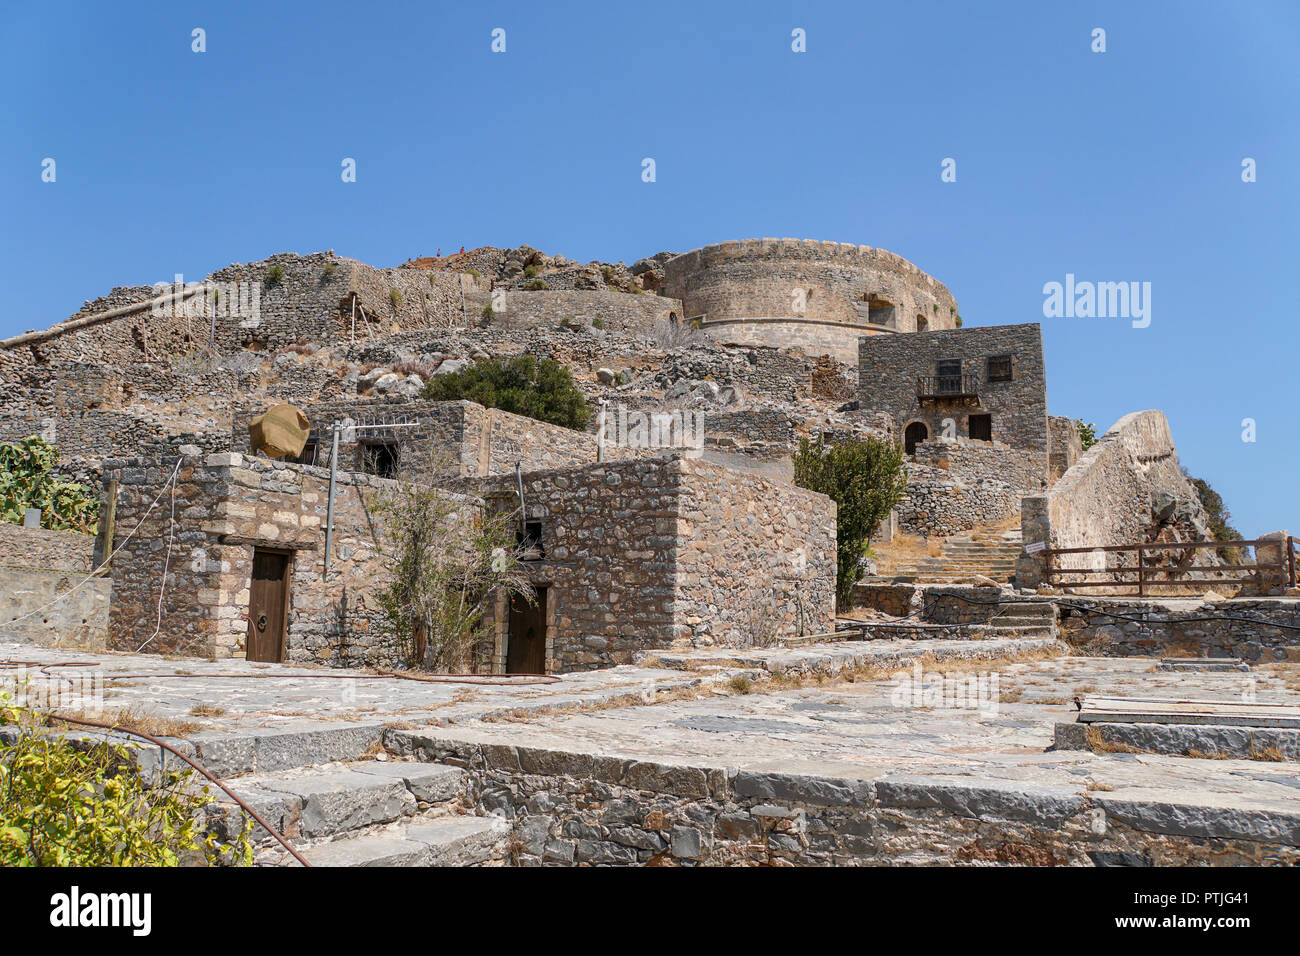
{"points": [[529, 541], [999, 368], [921, 324], [980, 427], [308, 456], [380, 459]]}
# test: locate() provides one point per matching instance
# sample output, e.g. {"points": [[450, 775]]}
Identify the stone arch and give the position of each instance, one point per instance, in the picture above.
{"points": [[915, 433]]}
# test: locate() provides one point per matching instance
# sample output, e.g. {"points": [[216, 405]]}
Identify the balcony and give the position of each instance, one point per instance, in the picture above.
{"points": [[962, 388]]}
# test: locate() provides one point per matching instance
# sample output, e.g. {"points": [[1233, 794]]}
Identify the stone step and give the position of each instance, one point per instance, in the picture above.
{"points": [[444, 841], [315, 802]]}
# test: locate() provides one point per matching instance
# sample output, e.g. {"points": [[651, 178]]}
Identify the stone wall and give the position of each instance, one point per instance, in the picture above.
{"points": [[620, 311], [806, 279], [1065, 444], [1126, 489], [449, 439], [889, 368], [957, 485], [225, 506], [651, 552], [1257, 631], [572, 808], [45, 597], [812, 337]]}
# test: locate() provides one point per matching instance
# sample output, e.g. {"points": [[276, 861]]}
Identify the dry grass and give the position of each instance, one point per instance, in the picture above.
{"points": [[1273, 754], [1098, 785], [740, 684], [1099, 744], [206, 710], [145, 722]]}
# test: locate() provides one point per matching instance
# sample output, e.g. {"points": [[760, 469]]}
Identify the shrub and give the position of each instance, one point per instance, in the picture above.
{"points": [[1087, 433], [329, 269], [537, 285], [473, 272], [395, 297], [541, 389], [597, 323], [531, 272], [274, 274], [27, 480], [865, 478], [488, 313], [444, 566], [65, 803]]}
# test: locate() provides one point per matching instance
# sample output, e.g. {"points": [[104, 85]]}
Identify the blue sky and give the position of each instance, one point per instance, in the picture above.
{"points": [[1115, 166]]}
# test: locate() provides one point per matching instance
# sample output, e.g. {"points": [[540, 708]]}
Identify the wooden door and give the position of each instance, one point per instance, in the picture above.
{"points": [[268, 605], [526, 638]]}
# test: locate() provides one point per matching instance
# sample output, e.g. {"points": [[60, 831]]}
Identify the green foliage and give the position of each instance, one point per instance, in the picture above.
{"points": [[958, 322], [444, 565], [1220, 519], [537, 285], [27, 480], [543, 389], [597, 323], [329, 269], [531, 272], [395, 297], [473, 272], [66, 803], [488, 313], [1087, 433], [274, 274], [865, 478]]}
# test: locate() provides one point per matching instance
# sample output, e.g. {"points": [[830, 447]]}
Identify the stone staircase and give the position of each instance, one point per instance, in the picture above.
{"points": [[367, 812], [962, 556], [1036, 619]]}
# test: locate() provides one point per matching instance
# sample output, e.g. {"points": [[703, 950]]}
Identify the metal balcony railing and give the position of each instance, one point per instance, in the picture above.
{"points": [[946, 386]]}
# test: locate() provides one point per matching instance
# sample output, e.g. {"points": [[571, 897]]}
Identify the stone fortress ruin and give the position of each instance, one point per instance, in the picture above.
{"points": [[685, 613]]}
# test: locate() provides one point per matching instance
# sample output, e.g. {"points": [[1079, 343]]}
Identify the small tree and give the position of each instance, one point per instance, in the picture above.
{"points": [[445, 563], [27, 480], [865, 478], [522, 384]]}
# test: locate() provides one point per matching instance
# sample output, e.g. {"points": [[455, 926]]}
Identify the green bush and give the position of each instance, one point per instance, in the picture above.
{"points": [[597, 323], [488, 313], [865, 478], [27, 480], [1087, 433], [274, 274], [543, 389], [72, 804], [537, 285], [395, 297], [531, 272]]}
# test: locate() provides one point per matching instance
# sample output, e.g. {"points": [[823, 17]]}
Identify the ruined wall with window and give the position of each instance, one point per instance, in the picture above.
{"points": [[437, 439], [47, 594], [986, 383]]}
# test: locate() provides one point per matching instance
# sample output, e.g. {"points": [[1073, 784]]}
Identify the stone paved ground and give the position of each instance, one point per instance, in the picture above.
{"points": [[833, 729]]}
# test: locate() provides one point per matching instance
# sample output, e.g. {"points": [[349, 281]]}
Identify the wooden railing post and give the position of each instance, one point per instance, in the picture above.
{"points": [[1142, 577]]}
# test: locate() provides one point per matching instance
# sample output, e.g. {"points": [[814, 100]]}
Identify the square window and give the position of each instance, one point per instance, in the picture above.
{"points": [[999, 368], [380, 459], [980, 427]]}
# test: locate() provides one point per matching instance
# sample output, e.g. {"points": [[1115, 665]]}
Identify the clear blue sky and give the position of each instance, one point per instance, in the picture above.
{"points": [[1117, 166]]}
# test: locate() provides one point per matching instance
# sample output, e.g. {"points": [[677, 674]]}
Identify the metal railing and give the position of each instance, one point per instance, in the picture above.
{"points": [[1144, 575], [939, 386]]}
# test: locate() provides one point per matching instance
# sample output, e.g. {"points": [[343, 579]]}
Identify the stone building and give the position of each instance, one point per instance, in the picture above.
{"points": [[816, 296], [660, 552], [241, 543], [983, 384]]}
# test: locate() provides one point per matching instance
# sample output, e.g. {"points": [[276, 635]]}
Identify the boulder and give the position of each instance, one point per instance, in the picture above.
{"points": [[606, 376], [450, 366]]}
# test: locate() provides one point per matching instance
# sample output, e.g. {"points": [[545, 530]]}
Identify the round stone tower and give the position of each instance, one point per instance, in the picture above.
{"points": [[817, 296]]}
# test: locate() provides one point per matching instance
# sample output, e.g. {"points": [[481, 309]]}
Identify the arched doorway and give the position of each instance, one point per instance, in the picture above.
{"points": [[913, 436]]}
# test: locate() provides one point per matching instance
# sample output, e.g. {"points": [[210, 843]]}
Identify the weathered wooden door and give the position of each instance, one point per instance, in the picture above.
{"points": [[268, 605], [526, 638]]}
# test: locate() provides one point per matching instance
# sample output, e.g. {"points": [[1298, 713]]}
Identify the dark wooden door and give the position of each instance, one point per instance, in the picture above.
{"points": [[268, 604], [526, 639]]}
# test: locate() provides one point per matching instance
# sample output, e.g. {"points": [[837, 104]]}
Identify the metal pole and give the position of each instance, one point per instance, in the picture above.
{"points": [[329, 508]]}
